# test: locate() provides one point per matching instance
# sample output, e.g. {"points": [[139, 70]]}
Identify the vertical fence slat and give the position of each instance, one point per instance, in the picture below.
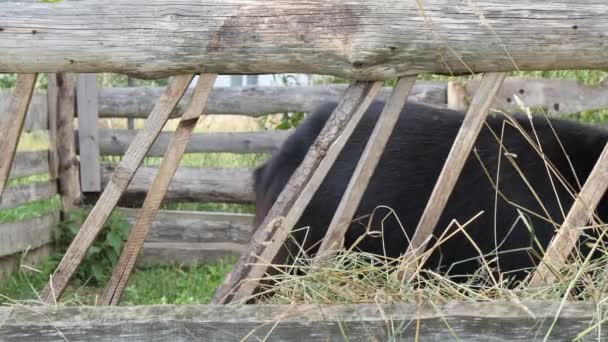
{"points": [[69, 180], [88, 135], [461, 148], [293, 199], [579, 215], [374, 149], [116, 187], [160, 185], [11, 124], [51, 100]]}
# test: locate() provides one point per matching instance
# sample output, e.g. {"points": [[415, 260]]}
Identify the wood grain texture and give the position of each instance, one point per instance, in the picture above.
{"points": [[69, 179], [17, 195], [188, 253], [160, 185], [354, 39], [461, 148], [32, 257], [30, 233], [51, 104], [250, 100], [189, 184], [271, 234], [88, 136], [11, 123], [36, 118], [464, 321], [196, 226], [115, 142], [579, 216], [117, 185], [334, 237], [30, 163]]}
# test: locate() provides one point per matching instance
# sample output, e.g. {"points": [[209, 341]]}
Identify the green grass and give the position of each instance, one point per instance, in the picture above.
{"points": [[153, 285]]}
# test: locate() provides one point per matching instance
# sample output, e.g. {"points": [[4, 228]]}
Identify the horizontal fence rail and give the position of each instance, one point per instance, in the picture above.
{"points": [[354, 39], [465, 321]]}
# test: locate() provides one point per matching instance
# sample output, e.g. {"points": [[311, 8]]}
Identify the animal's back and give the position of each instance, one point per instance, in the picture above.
{"points": [[407, 172]]}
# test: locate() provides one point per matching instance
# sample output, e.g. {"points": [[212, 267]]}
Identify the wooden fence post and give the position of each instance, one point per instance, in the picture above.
{"points": [[293, 199], [51, 102], [457, 96], [118, 184], [88, 136], [69, 181], [12, 124]]}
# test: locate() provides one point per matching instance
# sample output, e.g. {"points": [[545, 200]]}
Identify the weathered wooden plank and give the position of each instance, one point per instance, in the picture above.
{"points": [[36, 118], [271, 234], [31, 233], [10, 263], [187, 253], [51, 101], [251, 100], [355, 39], [334, 238], [11, 123], [196, 226], [190, 185], [118, 183], [454, 163], [464, 321], [69, 180], [15, 196], [158, 189], [30, 163], [116, 142], [88, 137], [579, 215]]}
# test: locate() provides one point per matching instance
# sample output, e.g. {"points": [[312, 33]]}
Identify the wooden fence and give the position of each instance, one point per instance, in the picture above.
{"points": [[194, 237], [484, 321]]}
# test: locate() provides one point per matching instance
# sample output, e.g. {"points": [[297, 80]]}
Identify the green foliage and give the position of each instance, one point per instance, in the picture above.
{"points": [[100, 259], [290, 120], [31, 209]]}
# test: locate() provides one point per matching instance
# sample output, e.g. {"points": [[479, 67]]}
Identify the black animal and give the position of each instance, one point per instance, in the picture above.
{"points": [[409, 168]]}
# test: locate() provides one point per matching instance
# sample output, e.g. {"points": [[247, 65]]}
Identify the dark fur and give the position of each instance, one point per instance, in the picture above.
{"points": [[409, 168]]}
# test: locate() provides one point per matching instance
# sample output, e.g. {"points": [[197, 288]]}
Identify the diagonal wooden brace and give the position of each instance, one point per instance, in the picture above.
{"points": [[160, 185], [115, 188], [11, 124], [465, 139], [334, 238], [579, 215], [289, 206]]}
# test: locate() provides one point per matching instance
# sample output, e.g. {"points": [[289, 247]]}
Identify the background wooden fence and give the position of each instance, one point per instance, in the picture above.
{"points": [[195, 237]]}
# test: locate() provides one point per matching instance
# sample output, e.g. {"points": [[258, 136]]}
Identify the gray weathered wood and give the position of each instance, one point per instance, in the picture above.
{"points": [[355, 39], [190, 185], [37, 113], [168, 166], [251, 100], [196, 226], [30, 163], [578, 216], [69, 180], [454, 163], [31, 233], [116, 142], [334, 238], [464, 321], [10, 263], [272, 233], [457, 96], [15, 196], [188, 253], [11, 123], [117, 184], [88, 137], [51, 101]]}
